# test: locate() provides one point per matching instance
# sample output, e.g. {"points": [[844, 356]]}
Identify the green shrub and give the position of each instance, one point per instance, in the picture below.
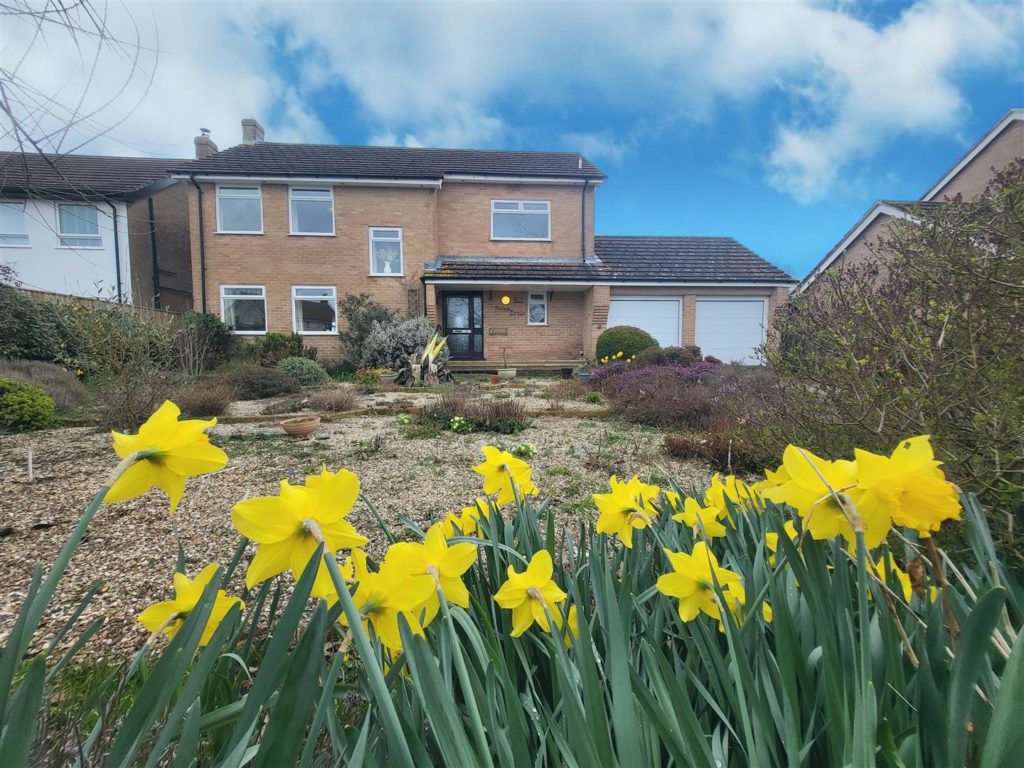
{"points": [[204, 341], [271, 349], [25, 407], [33, 329], [62, 385], [625, 339], [593, 398], [255, 382], [503, 417], [205, 398], [389, 345], [687, 355], [361, 313], [309, 373]]}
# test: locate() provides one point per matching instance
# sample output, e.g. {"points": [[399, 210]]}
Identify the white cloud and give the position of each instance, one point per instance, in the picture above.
{"points": [[523, 74]]}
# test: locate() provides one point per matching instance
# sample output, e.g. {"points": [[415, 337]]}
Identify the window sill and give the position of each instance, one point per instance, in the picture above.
{"points": [[311, 234], [248, 333], [521, 239], [387, 274], [9, 245], [74, 247], [536, 325], [225, 232], [317, 333]]}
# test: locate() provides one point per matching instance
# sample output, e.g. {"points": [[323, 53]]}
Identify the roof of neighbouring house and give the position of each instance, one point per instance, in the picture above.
{"points": [[79, 176], [624, 259], [338, 160]]}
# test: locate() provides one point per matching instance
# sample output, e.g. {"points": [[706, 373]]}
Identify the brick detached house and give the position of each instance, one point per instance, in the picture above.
{"points": [[87, 226], [968, 178], [497, 248]]}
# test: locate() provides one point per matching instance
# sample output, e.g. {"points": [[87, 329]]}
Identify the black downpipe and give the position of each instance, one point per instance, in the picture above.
{"points": [[202, 243], [117, 253], [583, 221], [156, 261]]}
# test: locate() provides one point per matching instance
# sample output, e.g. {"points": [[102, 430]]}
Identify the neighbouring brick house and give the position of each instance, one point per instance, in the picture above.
{"points": [[968, 178], [497, 248]]}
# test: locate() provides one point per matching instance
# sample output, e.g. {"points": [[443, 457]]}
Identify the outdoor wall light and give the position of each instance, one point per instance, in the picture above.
{"points": [[505, 299]]}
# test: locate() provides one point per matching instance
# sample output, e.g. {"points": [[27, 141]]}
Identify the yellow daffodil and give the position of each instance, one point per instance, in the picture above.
{"points": [[286, 526], [692, 581], [444, 563], [170, 451], [809, 491], [529, 593], [169, 615], [908, 485], [468, 523], [887, 570], [703, 521], [728, 488], [382, 596], [501, 470], [571, 630], [628, 506], [772, 540], [772, 479], [736, 601]]}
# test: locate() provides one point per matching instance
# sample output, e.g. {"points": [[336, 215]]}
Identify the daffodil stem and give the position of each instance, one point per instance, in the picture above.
{"points": [[467, 685], [49, 587], [388, 714]]}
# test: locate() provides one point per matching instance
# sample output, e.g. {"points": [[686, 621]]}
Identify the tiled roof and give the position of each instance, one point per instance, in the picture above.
{"points": [[78, 176], [623, 260], [334, 160]]}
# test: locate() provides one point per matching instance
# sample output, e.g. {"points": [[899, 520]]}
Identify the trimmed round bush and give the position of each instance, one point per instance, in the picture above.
{"points": [[625, 339], [255, 382], [309, 373], [25, 407]]}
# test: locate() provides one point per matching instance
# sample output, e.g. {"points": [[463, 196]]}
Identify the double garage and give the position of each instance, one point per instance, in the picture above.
{"points": [[728, 327]]}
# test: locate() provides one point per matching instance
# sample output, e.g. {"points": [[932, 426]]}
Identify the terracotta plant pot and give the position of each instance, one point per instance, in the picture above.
{"points": [[301, 427], [495, 379]]}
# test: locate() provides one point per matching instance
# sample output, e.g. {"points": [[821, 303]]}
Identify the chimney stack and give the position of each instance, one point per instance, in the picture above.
{"points": [[252, 131], [204, 144]]}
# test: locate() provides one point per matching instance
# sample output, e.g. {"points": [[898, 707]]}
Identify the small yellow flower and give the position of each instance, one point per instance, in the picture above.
{"points": [[529, 593], [444, 563], [772, 540], [887, 570], [692, 581], [703, 521], [736, 601], [572, 626], [171, 450], [908, 485], [468, 523], [724, 490], [285, 526], [501, 471], [627, 506], [382, 596], [169, 615]]}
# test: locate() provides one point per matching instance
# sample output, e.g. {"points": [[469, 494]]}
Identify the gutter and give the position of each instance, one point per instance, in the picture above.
{"points": [[156, 261], [117, 253], [202, 243]]}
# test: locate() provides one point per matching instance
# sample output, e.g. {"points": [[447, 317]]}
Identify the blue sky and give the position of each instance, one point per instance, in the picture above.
{"points": [[774, 123]]}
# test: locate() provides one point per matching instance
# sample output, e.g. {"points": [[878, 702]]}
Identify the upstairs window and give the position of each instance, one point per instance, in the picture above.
{"points": [[311, 211], [244, 308], [520, 220], [314, 309], [78, 226], [537, 309], [240, 210], [385, 251], [12, 225]]}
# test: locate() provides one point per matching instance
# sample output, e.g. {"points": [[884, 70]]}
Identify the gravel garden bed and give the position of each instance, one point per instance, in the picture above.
{"points": [[131, 546]]}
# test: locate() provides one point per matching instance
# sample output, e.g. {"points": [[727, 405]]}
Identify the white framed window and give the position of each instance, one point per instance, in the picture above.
{"points": [[537, 308], [244, 308], [520, 220], [311, 211], [386, 251], [12, 224], [240, 210], [314, 309], [78, 226]]}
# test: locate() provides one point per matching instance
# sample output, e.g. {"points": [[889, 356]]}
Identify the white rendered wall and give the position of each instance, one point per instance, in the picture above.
{"points": [[47, 266]]}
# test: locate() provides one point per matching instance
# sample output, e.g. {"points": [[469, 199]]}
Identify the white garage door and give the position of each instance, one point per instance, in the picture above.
{"points": [[659, 317], [731, 329]]}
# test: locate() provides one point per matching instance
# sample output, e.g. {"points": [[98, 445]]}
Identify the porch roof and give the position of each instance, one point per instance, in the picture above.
{"points": [[624, 260]]}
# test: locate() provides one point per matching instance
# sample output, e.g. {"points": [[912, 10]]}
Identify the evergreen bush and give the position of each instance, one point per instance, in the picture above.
{"points": [[25, 407], [625, 339]]}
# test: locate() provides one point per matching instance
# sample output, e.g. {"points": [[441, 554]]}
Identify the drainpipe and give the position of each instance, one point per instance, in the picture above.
{"points": [[117, 253], [583, 220], [202, 243], [156, 261]]}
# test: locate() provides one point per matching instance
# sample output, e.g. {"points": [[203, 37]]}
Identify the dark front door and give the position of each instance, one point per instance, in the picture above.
{"points": [[463, 317]]}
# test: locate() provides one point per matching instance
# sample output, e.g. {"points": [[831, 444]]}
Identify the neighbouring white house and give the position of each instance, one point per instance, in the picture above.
{"points": [[65, 220]]}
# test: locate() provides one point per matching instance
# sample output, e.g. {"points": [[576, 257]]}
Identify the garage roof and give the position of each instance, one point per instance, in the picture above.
{"points": [[94, 177], [625, 259]]}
